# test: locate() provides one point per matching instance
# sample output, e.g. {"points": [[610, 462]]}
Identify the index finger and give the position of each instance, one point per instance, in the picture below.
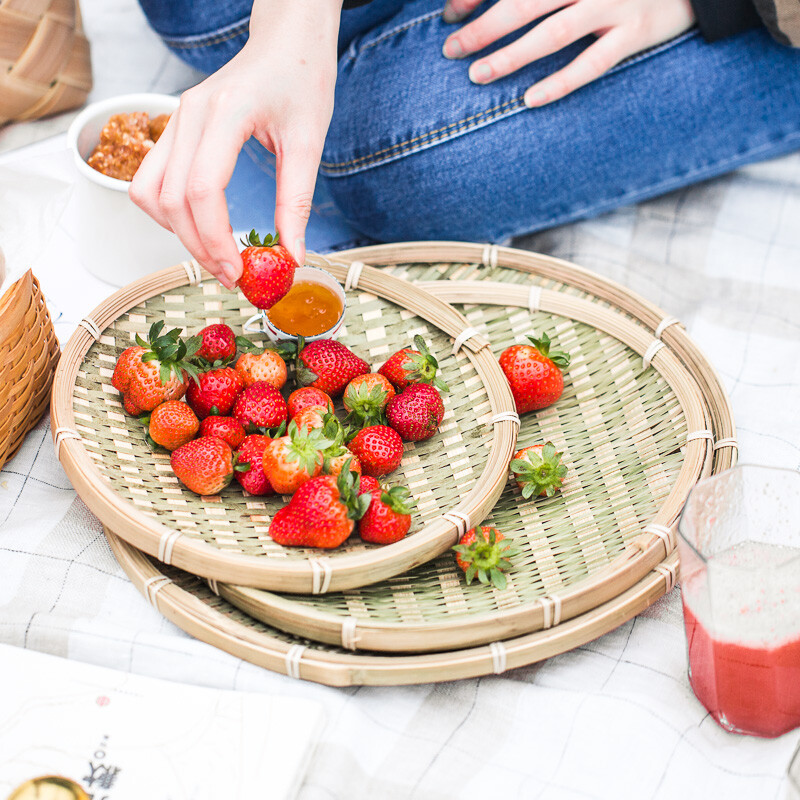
{"points": [[209, 174]]}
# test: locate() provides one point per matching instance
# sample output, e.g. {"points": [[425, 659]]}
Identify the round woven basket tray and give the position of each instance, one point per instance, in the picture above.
{"points": [[189, 603], [622, 426], [457, 475]]}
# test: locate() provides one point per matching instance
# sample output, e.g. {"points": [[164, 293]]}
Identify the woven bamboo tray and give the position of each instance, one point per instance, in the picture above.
{"points": [[188, 602], [622, 427], [28, 356], [460, 471]]}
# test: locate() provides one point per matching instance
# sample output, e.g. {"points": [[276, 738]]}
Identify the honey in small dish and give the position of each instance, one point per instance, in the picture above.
{"points": [[308, 309]]}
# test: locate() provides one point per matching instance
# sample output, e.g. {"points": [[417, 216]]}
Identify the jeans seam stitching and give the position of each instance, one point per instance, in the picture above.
{"points": [[395, 31], [213, 39], [403, 148], [431, 135]]}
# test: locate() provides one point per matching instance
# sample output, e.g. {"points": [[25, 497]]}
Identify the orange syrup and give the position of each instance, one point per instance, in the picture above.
{"points": [[307, 310]]}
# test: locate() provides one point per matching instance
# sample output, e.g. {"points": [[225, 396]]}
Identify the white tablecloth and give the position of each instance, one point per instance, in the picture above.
{"points": [[614, 719]]}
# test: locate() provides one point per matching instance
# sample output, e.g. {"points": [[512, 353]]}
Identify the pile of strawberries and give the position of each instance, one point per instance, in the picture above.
{"points": [[215, 401]]}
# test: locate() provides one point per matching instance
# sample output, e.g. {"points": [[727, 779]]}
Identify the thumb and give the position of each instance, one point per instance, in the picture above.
{"points": [[297, 173]]}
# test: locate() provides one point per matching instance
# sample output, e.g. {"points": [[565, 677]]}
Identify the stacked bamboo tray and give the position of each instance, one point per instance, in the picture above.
{"points": [[642, 418]]}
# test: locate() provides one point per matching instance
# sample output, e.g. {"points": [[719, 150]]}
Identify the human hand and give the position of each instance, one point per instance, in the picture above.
{"points": [[623, 28], [278, 88]]}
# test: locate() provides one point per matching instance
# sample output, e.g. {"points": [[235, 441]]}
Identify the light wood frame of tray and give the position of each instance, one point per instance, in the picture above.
{"points": [[430, 608], [311, 571], [188, 602]]}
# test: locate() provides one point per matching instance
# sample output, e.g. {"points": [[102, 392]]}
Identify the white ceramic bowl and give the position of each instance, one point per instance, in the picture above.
{"points": [[304, 274], [118, 242]]}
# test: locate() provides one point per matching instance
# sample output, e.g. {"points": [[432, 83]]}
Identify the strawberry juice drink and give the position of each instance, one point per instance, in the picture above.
{"points": [[740, 582]]}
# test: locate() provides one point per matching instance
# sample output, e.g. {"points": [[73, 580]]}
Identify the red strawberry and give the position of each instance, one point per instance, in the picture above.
{"points": [[416, 413], [388, 517], [479, 553], [379, 448], [216, 389], [533, 373], [291, 460], [328, 365], [538, 470], [216, 343], [267, 270], [229, 429], [172, 424], [267, 366], [306, 397], [336, 459], [322, 512], [409, 366], [366, 397], [250, 456], [121, 377], [204, 466], [130, 407], [161, 371], [260, 407]]}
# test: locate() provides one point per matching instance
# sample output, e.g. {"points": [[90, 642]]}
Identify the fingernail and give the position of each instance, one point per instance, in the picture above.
{"points": [[229, 272], [535, 98], [300, 250], [453, 49], [480, 73], [450, 15]]}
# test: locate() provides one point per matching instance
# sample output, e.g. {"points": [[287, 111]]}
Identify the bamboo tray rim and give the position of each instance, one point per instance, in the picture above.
{"points": [[640, 555], [313, 575], [321, 665]]}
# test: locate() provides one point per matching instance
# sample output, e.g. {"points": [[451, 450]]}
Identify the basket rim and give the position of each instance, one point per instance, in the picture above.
{"points": [[630, 566], [331, 668], [347, 570]]}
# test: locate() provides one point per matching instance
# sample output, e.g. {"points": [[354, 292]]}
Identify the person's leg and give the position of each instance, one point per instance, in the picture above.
{"points": [[416, 151], [206, 34]]}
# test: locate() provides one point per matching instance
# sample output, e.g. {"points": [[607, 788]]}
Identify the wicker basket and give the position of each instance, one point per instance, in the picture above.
{"points": [[44, 59], [28, 356]]}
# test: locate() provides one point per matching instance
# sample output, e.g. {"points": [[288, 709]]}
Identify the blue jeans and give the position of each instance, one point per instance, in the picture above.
{"points": [[416, 151]]}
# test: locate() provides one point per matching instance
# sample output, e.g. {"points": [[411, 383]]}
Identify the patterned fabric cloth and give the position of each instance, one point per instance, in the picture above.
{"points": [[613, 719]]}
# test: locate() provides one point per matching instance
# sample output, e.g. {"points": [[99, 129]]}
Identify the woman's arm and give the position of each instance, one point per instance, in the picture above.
{"points": [[279, 88]]}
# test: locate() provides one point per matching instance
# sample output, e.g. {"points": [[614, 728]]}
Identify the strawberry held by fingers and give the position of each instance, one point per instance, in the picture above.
{"points": [[327, 364], [205, 466], [409, 366], [538, 470], [161, 372], [267, 270], [416, 413], [480, 554], [533, 371], [321, 513], [388, 518]]}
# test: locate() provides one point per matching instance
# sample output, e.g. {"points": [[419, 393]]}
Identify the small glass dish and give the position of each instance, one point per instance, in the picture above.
{"points": [[261, 323]]}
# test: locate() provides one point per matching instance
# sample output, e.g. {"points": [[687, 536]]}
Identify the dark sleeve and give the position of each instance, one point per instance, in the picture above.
{"points": [[720, 18], [354, 4]]}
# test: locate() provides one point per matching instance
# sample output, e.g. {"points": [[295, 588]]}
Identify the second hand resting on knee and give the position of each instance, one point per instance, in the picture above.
{"points": [[279, 88]]}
